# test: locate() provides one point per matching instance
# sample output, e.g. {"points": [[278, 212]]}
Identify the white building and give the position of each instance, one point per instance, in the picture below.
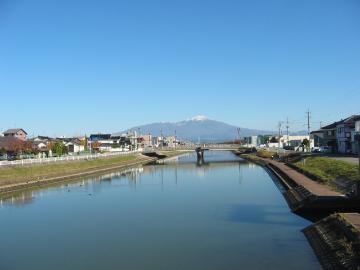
{"points": [[295, 141], [75, 147]]}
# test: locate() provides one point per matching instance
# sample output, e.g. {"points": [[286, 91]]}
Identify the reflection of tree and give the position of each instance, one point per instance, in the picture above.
{"points": [[20, 199]]}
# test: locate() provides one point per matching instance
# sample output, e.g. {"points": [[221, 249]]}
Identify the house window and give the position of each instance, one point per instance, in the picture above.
{"points": [[357, 126]]}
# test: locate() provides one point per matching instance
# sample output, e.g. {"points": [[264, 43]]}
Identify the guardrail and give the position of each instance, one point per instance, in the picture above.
{"points": [[65, 158]]}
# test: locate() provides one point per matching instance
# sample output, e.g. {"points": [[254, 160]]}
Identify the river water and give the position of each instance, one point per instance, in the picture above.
{"points": [[225, 214]]}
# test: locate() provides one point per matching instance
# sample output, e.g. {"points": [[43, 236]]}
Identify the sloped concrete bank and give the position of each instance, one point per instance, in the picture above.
{"points": [[305, 195], [336, 241]]}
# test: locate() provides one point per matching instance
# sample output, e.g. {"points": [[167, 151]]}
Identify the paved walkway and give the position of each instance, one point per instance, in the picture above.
{"points": [[352, 160], [312, 186], [354, 219]]}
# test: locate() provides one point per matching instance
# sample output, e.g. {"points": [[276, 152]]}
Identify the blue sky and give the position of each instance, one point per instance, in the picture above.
{"points": [[73, 67]]}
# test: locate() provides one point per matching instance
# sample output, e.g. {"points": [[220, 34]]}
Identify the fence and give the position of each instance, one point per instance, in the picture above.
{"points": [[65, 158]]}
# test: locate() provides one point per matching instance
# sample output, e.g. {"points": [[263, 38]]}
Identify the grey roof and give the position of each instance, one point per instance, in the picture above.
{"points": [[14, 130], [352, 119]]}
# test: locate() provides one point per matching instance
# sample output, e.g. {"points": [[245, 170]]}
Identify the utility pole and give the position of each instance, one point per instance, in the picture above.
{"points": [[239, 132], [308, 114], [175, 138], [161, 138], [287, 131], [279, 126]]}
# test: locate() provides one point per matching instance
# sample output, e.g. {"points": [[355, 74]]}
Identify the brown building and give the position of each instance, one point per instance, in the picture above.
{"points": [[17, 133]]}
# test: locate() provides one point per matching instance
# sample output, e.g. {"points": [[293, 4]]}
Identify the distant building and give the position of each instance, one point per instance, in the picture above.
{"points": [[326, 136], [99, 137], [355, 140], [253, 141], [17, 133], [345, 135], [146, 141], [75, 146], [340, 135], [295, 141]]}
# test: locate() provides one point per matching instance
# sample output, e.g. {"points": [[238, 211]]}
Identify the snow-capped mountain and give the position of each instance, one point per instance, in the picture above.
{"points": [[197, 128]]}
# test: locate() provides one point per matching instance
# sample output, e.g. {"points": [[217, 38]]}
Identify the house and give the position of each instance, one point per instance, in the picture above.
{"points": [[295, 141], [40, 145], [75, 146], [113, 143], [252, 141], [41, 139], [17, 133], [355, 138], [99, 137], [146, 141], [326, 136], [345, 131], [340, 136]]}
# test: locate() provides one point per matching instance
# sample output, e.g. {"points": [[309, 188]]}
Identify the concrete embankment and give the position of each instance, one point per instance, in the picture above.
{"points": [[46, 180], [305, 195], [336, 241], [336, 238]]}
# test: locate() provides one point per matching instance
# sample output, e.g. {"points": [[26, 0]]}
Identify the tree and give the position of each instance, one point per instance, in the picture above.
{"points": [[85, 143], [27, 147], [2, 151], [95, 145], [59, 148], [305, 144]]}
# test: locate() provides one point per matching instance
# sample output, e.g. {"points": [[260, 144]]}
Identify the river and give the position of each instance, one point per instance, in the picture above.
{"points": [[225, 214]]}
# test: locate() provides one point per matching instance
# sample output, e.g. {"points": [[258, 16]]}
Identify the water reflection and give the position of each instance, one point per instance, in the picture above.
{"points": [[227, 214], [260, 214], [95, 184], [92, 185]]}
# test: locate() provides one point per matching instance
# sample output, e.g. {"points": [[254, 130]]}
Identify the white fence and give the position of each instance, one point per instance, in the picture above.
{"points": [[65, 158]]}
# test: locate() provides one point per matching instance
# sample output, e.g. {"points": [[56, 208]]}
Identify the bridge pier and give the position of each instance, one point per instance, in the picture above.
{"points": [[200, 155]]}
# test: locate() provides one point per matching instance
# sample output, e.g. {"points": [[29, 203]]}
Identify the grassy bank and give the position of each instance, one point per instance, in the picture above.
{"points": [[266, 154], [328, 169], [17, 175]]}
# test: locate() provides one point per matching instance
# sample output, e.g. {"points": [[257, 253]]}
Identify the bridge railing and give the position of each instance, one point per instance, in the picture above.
{"points": [[194, 146]]}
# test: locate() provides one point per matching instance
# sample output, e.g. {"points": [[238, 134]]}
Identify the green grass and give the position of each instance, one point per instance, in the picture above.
{"points": [[265, 154], [329, 169], [251, 157], [13, 175]]}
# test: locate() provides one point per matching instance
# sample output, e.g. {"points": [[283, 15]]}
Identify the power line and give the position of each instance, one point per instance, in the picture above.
{"points": [[287, 130]]}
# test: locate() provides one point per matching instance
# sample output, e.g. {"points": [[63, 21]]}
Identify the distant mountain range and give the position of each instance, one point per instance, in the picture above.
{"points": [[198, 128]]}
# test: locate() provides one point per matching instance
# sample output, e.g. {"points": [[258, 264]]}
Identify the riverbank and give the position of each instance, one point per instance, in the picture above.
{"points": [[336, 241], [15, 179], [335, 174]]}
